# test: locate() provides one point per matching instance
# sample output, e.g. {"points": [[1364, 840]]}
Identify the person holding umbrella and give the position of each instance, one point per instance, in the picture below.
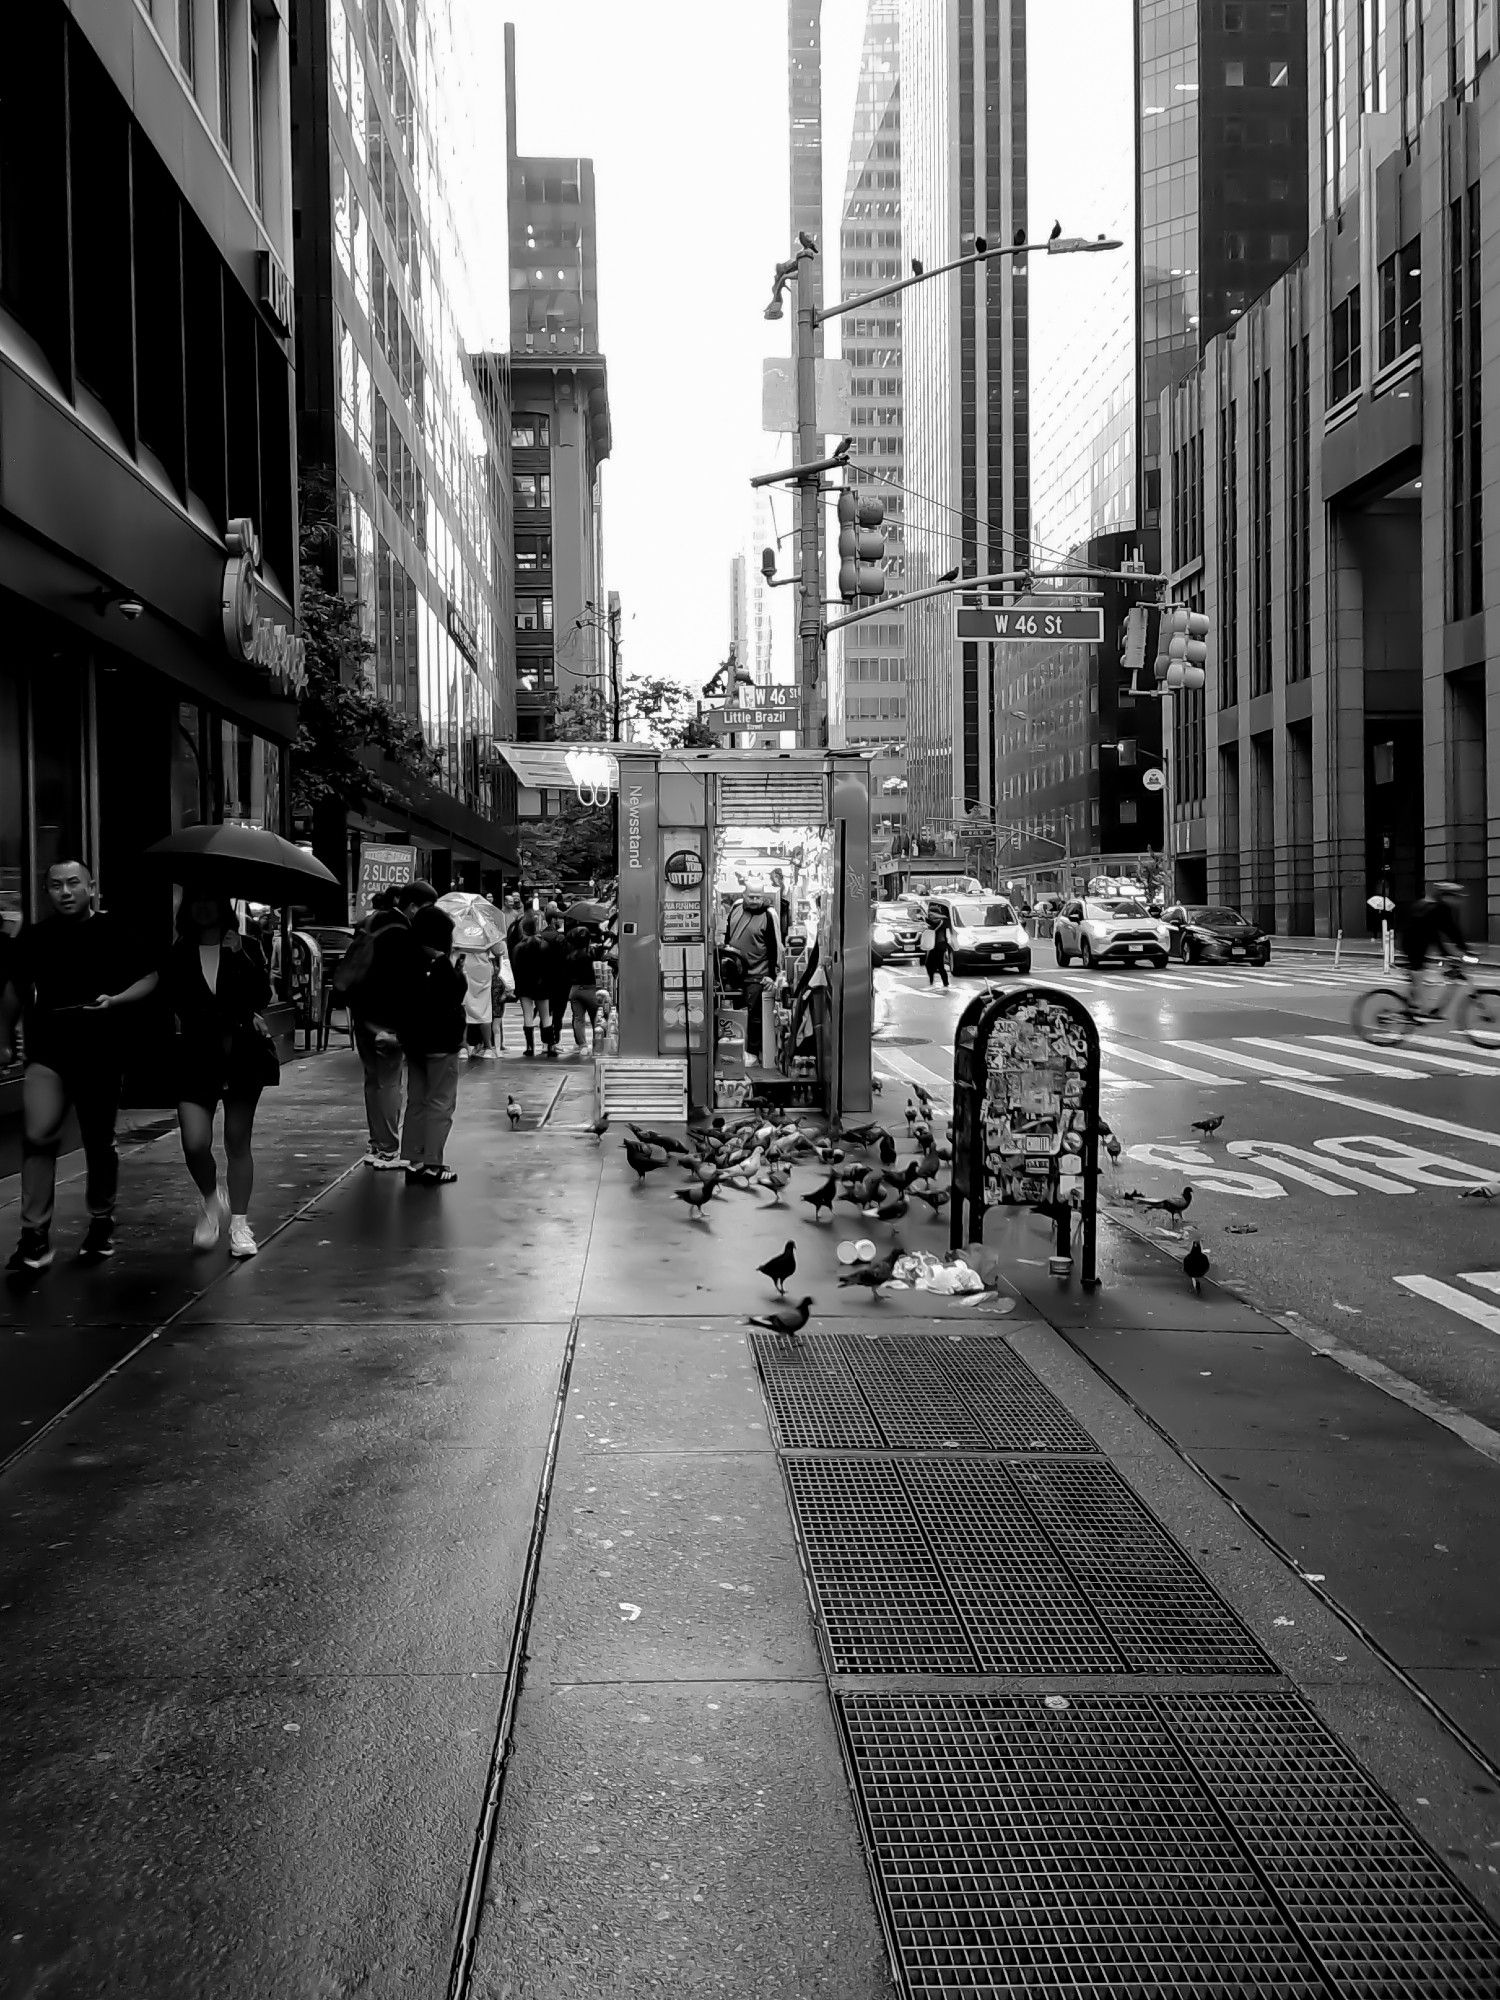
{"points": [[216, 983]]}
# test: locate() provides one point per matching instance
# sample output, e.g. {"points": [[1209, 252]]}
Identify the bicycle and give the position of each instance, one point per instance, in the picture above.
{"points": [[1385, 1017]]}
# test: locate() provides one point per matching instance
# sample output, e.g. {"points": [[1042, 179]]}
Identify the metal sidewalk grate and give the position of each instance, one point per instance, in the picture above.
{"points": [[915, 1406], [1164, 1617], [881, 1599], [1026, 1850], [814, 1402], [1018, 1411], [1379, 1911], [1019, 1606]]}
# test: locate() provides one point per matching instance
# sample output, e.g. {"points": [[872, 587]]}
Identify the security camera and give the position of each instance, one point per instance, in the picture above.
{"points": [[131, 608]]}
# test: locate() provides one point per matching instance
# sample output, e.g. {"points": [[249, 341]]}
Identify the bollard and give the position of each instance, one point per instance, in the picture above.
{"points": [[1338, 946]]}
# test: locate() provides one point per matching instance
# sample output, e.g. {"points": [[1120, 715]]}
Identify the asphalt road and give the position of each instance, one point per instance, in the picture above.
{"points": [[1332, 1190]]}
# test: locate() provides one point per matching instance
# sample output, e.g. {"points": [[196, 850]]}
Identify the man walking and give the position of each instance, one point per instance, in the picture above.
{"points": [[375, 978], [68, 978], [751, 933]]}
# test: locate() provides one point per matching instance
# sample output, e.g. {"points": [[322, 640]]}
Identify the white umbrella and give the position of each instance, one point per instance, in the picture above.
{"points": [[477, 924]]}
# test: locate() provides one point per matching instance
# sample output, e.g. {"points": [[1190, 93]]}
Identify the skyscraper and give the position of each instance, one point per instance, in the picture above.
{"points": [[867, 677], [964, 349]]}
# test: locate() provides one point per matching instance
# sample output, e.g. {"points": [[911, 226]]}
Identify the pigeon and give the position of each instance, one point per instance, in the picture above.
{"points": [[599, 1127], [1019, 238], [512, 1112], [822, 1197], [892, 1210], [1114, 1149], [923, 1097], [786, 1320], [645, 1159], [861, 1135], [929, 1166], [872, 1276], [981, 244], [1056, 232], [776, 1179], [950, 575], [1174, 1205], [780, 1267], [1484, 1191], [696, 1199], [935, 1198], [704, 1172], [1208, 1126], [876, 1085], [902, 1177], [917, 267], [887, 1150], [911, 1115], [830, 1156], [1195, 1263], [808, 242], [659, 1139]]}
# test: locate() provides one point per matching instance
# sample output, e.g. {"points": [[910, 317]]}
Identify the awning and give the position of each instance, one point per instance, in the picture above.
{"points": [[553, 767]]}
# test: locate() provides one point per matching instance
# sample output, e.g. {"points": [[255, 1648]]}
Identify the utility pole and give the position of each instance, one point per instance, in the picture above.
{"points": [[809, 512]]}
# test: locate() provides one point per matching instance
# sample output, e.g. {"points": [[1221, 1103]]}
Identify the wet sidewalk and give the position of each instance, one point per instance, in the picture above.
{"points": [[458, 1597]]}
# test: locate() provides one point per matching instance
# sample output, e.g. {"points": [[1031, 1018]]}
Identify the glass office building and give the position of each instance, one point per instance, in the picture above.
{"points": [[400, 402]]}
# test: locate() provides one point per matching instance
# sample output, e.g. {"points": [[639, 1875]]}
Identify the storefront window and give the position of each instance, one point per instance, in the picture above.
{"points": [[59, 762], [247, 797], [12, 811], [187, 768]]}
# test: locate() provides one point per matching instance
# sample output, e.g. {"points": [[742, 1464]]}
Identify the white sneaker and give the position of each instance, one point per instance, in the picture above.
{"points": [[211, 1221], [386, 1163], [486, 1055], [241, 1242]]}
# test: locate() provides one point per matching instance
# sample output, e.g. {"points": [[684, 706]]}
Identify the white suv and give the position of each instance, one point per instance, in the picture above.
{"points": [[1103, 927]]}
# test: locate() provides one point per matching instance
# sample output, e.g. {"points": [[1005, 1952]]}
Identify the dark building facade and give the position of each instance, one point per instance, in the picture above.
{"points": [[560, 431], [1221, 99], [149, 659], [407, 421]]}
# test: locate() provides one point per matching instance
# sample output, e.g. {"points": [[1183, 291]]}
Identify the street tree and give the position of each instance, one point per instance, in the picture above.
{"points": [[352, 747]]}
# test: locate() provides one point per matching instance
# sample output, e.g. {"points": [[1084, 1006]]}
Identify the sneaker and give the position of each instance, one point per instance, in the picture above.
{"points": [[99, 1240], [210, 1223], [439, 1176], [419, 1175], [242, 1242], [32, 1253], [385, 1163], [486, 1055]]}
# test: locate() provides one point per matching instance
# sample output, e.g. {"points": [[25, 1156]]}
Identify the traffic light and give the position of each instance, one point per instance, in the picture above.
{"points": [[861, 546], [1137, 642], [1125, 750], [1182, 655]]}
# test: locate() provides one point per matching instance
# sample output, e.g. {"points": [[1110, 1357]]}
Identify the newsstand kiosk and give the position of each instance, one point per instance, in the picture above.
{"points": [[700, 828]]}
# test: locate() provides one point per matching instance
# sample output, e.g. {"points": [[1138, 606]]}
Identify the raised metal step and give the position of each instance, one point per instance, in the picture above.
{"points": [[642, 1088]]}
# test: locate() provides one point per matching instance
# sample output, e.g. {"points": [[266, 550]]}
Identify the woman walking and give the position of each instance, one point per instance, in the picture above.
{"points": [[530, 970], [935, 958], [217, 983]]}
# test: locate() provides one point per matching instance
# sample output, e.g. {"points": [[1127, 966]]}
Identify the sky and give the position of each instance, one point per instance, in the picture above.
{"points": [[682, 106]]}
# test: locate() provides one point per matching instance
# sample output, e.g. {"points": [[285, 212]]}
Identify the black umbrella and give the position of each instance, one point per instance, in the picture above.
{"points": [[588, 912], [242, 861]]}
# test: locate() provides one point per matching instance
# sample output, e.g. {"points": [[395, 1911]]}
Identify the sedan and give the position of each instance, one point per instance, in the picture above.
{"points": [[1210, 933], [1096, 928], [983, 932], [895, 931]]}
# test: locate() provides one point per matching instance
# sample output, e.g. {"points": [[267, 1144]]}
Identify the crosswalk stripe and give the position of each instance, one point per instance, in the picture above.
{"points": [[1470, 1049], [1182, 1071], [1422, 1051], [1397, 1072], [1261, 1065], [1488, 1281], [1456, 1301], [1122, 1082]]}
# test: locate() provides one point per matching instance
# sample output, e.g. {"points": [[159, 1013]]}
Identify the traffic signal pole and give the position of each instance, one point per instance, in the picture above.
{"points": [[813, 703]]}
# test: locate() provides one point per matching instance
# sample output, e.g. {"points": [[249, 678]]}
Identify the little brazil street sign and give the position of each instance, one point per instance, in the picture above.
{"points": [[765, 715], [1025, 621]]}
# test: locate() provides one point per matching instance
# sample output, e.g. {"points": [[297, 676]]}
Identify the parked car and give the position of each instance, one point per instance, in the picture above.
{"points": [[1096, 928], [1211, 933], [987, 933], [895, 931]]}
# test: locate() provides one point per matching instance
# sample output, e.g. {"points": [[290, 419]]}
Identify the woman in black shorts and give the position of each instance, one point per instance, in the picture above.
{"points": [[217, 983]]}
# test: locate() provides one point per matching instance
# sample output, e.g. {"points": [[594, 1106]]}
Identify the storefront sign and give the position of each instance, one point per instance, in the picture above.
{"points": [[769, 715], [383, 867], [249, 634], [682, 890], [274, 290], [462, 633], [684, 869]]}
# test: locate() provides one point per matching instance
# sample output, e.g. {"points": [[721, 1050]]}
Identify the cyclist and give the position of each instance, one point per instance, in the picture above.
{"points": [[1432, 930]]}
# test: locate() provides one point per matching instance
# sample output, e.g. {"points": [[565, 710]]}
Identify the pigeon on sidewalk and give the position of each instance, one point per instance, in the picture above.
{"points": [[780, 1267], [870, 1277], [935, 1198], [512, 1111], [661, 1140], [1174, 1205], [777, 1179], [1208, 1126], [599, 1127], [1195, 1264], [822, 1197], [644, 1159], [786, 1320], [696, 1198]]}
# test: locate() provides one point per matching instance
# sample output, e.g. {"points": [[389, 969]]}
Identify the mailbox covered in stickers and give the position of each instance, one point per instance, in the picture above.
{"points": [[1026, 1114]]}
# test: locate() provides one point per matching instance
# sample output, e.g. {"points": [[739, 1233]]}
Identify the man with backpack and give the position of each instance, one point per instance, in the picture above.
{"points": [[374, 979]]}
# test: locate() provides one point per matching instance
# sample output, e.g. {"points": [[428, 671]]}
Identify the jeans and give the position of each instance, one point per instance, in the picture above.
{"points": [[46, 1096], [382, 1088], [431, 1098]]}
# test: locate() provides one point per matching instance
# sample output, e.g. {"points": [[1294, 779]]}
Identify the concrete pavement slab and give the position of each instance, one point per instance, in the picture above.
{"points": [[669, 1566], [619, 1407], [678, 1839], [1138, 1285], [237, 1836]]}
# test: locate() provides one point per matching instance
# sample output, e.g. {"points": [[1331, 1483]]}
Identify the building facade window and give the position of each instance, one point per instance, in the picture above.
{"points": [[1343, 349], [1229, 559], [530, 433], [1465, 459], [221, 67], [1400, 302], [187, 48], [533, 614], [1298, 515], [1261, 534]]}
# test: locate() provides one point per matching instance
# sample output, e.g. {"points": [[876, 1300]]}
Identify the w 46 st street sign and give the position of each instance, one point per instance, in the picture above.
{"points": [[1025, 621]]}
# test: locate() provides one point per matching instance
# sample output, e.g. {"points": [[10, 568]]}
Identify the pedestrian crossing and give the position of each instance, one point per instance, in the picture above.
{"points": [[1208, 980], [1234, 1061]]}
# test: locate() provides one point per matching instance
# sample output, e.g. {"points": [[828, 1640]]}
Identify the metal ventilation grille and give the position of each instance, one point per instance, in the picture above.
{"points": [[657, 1090], [773, 798]]}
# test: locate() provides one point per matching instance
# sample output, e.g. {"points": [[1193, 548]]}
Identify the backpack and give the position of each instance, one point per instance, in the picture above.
{"points": [[355, 967]]}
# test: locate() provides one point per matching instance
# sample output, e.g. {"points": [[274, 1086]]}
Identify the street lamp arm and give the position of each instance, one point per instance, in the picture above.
{"points": [[1062, 246]]}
